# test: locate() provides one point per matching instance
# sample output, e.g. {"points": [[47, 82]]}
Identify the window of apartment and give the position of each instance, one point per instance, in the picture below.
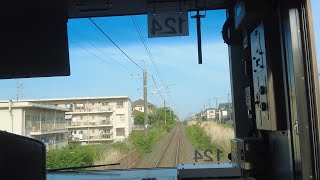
{"points": [[80, 117], [105, 131], [120, 117], [43, 118], [92, 103], [27, 118], [140, 108], [120, 132], [104, 103], [93, 130], [120, 104], [92, 117]]}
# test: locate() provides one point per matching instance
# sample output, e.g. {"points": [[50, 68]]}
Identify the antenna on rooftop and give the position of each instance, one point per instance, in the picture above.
{"points": [[19, 90]]}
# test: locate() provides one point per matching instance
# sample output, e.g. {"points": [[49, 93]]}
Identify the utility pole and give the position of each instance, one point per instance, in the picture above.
{"points": [[228, 94], [216, 103], [165, 113], [11, 115], [145, 96]]}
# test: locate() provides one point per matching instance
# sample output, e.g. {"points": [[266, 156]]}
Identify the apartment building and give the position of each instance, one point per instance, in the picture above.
{"points": [[42, 122], [95, 119]]}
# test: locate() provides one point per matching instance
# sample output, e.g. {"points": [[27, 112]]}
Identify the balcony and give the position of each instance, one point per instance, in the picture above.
{"points": [[90, 109], [43, 128], [86, 137], [102, 123]]}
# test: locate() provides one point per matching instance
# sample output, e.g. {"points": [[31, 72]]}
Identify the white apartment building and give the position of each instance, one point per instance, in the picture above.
{"points": [[45, 123], [95, 119]]}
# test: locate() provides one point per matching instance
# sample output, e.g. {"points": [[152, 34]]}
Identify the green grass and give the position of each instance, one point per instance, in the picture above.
{"points": [[123, 147], [198, 137], [144, 142]]}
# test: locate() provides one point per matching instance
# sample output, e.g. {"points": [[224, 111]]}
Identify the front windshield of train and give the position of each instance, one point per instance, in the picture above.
{"points": [[135, 101]]}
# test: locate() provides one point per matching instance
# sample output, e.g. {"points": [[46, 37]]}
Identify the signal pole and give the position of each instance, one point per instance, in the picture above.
{"points": [[145, 97]]}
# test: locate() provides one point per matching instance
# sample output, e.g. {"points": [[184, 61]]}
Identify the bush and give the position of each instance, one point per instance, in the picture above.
{"points": [[145, 142], [73, 156]]}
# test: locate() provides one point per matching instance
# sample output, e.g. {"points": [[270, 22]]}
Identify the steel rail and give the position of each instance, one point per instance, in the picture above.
{"points": [[165, 149]]}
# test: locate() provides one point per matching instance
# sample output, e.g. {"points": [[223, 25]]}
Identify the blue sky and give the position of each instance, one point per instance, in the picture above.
{"points": [[176, 58]]}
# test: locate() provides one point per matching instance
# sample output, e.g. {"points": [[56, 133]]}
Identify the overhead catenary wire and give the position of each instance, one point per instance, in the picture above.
{"points": [[94, 54], [137, 27], [97, 48], [157, 87], [115, 44]]}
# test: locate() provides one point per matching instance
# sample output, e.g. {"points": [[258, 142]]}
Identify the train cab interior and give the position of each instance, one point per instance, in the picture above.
{"points": [[273, 71]]}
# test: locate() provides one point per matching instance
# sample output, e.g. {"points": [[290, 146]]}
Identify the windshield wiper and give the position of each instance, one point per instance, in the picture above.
{"points": [[81, 167]]}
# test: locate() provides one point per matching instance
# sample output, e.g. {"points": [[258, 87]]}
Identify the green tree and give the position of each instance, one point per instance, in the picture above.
{"points": [[139, 118], [157, 117]]}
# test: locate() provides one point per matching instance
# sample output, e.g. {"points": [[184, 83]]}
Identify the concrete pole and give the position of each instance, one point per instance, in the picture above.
{"points": [[165, 113], [145, 96], [216, 103]]}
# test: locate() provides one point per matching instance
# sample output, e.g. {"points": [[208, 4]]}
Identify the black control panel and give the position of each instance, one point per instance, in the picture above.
{"points": [[262, 82]]}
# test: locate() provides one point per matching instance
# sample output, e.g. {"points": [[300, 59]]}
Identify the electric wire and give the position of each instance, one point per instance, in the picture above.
{"points": [[99, 49], [94, 54], [115, 44], [137, 27], [95, 24]]}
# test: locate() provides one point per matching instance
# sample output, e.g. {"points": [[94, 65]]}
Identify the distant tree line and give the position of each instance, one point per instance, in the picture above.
{"points": [[157, 117]]}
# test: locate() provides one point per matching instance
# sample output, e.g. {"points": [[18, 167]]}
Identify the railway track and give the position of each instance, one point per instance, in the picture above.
{"points": [[169, 157]]}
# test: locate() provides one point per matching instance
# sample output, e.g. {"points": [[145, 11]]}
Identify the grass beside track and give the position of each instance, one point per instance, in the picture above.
{"points": [[211, 135]]}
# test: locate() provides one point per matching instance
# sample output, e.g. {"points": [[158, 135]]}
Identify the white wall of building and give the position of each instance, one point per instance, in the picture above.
{"points": [[21, 120], [12, 122]]}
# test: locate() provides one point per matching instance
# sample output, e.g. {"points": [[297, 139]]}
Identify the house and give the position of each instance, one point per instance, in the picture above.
{"points": [[208, 114], [95, 120], [139, 106], [225, 112], [41, 122]]}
